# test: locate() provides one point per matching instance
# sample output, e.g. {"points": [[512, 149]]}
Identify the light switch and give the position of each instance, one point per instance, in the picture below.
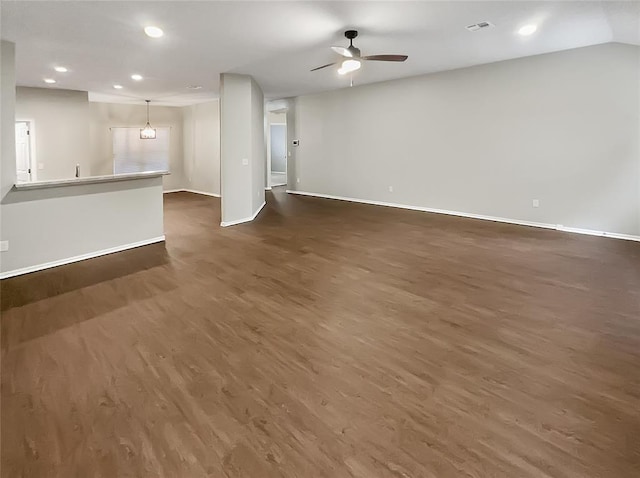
{"points": [[40, 165], [4, 246], [245, 161]]}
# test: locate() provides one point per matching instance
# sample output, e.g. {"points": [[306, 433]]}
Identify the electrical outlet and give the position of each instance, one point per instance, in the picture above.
{"points": [[536, 203], [40, 166], [4, 246], [390, 189], [298, 180]]}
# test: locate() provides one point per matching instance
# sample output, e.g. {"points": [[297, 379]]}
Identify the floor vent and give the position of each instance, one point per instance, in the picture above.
{"points": [[479, 26]]}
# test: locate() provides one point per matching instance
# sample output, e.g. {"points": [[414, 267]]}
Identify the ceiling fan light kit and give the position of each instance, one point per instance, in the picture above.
{"points": [[353, 58], [349, 66]]}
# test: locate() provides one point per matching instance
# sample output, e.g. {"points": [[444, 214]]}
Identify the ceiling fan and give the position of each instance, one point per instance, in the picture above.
{"points": [[353, 59]]}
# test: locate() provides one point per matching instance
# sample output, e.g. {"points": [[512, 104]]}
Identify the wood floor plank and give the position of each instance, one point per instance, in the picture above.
{"points": [[327, 339]]}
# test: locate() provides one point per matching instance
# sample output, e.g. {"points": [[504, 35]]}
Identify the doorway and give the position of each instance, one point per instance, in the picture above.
{"points": [[25, 171], [278, 149]]}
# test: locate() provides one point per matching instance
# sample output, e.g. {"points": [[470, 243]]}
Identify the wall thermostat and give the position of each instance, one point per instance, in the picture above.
{"points": [[295, 142]]}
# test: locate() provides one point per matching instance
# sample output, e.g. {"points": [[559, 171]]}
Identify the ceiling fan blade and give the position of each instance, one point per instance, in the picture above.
{"points": [[342, 51], [385, 57], [324, 66]]}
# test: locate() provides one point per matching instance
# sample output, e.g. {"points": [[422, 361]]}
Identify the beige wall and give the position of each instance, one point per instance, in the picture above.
{"points": [[561, 128], [106, 115], [258, 146], [60, 121], [50, 225], [7, 119], [279, 117], [70, 130], [242, 132], [201, 131]]}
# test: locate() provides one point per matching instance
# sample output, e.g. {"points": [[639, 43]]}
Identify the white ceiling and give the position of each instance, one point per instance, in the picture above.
{"points": [[102, 42]]}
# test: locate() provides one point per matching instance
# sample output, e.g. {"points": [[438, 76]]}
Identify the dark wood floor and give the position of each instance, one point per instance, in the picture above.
{"points": [[327, 339]]}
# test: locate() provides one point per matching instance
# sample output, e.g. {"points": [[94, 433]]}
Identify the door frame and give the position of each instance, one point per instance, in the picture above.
{"points": [[33, 164], [286, 152]]}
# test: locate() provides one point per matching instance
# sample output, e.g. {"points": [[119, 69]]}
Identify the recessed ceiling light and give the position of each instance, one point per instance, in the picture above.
{"points": [[527, 30], [153, 32], [194, 87], [61, 69], [51, 81], [136, 77], [117, 87]]}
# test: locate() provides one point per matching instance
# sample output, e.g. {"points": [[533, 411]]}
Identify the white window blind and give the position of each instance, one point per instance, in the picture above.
{"points": [[133, 155]]}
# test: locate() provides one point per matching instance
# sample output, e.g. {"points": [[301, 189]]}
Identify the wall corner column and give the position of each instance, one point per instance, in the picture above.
{"points": [[242, 148]]}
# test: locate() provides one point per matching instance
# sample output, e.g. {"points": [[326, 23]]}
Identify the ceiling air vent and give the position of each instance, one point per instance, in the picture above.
{"points": [[479, 26]]}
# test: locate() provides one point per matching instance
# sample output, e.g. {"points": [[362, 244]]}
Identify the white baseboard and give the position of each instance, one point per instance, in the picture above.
{"points": [[215, 195], [246, 219], [591, 232], [194, 191], [82, 257], [557, 227], [268, 188]]}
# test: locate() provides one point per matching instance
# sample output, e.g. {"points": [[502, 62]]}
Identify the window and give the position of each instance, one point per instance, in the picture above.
{"points": [[133, 155]]}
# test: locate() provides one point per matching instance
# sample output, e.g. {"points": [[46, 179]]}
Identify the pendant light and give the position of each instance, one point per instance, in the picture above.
{"points": [[148, 132]]}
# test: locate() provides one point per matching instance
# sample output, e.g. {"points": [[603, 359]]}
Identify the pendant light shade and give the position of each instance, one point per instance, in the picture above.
{"points": [[148, 132], [349, 66]]}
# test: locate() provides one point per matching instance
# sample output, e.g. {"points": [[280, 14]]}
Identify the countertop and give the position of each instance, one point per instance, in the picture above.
{"points": [[88, 180]]}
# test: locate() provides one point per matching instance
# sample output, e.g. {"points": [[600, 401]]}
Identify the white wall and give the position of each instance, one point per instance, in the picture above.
{"points": [[562, 128], [61, 120], [106, 115], [201, 138], [242, 130]]}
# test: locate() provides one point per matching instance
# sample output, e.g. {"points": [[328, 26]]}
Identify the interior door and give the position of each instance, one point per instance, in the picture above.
{"points": [[23, 152], [278, 154]]}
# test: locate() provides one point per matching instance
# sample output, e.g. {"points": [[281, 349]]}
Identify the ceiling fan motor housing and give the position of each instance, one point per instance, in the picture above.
{"points": [[351, 34]]}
